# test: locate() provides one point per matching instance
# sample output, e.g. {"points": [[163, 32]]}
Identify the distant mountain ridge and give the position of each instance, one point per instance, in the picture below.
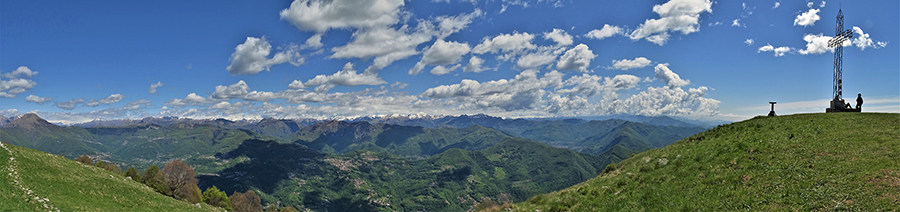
{"points": [[152, 139], [135, 145], [430, 121]]}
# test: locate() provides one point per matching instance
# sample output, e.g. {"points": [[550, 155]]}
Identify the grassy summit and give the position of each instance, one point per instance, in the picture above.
{"points": [[32, 180], [806, 162]]}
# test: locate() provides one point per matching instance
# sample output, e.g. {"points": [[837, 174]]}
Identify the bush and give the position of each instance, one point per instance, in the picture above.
{"points": [[245, 202], [109, 167], [155, 179], [181, 180], [609, 168], [213, 196], [133, 173], [488, 205], [84, 159], [190, 193], [289, 209]]}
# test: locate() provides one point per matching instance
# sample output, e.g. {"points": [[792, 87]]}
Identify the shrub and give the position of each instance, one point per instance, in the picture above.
{"points": [[289, 209], [215, 197], [190, 193], [609, 168], [245, 202], [133, 173], [109, 167], [488, 205], [84, 159], [155, 179]]}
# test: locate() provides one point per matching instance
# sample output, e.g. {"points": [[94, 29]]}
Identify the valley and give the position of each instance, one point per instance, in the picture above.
{"points": [[446, 164]]}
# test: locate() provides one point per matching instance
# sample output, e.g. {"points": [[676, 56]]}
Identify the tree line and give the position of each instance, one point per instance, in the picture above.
{"points": [[178, 180]]}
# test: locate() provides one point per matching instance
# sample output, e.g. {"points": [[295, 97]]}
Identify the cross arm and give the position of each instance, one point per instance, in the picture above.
{"points": [[840, 38]]}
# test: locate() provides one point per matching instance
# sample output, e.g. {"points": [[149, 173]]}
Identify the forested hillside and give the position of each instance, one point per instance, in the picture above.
{"points": [[455, 180]]}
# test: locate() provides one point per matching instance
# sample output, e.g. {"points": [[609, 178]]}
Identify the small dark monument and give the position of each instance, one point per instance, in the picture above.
{"points": [[772, 113], [840, 35]]}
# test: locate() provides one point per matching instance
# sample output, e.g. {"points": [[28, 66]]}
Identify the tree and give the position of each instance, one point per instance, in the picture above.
{"points": [[289, 209], [245, 202], [155, 179], [272, 208], [215, 197], [181, 180], [109, 167], [191, 193], [133, 173], [84, 159]]}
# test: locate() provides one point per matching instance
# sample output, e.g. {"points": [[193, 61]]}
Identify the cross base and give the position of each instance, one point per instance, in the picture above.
{"points": [[838, 106]]}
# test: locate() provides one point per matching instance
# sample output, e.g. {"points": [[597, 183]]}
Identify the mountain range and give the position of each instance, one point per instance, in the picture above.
{"points": [[327, 165]]}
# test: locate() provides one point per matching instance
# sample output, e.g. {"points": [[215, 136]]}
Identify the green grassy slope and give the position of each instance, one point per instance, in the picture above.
{"points": [[32, 180], [806, 162]]}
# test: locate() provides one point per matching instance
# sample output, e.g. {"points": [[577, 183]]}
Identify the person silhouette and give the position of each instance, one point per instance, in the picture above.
{"points": [[859, 100]]}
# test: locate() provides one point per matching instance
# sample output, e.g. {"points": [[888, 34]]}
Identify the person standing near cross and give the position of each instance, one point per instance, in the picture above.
{"points": [[859, 101]]}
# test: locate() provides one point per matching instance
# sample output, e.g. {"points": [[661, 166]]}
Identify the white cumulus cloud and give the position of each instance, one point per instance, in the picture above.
{"points": [[675, 15], [474, 65], [250, 57], [108, 100], [345, 77], [669, 77], [322, 15], [313, 42], [779, 51], [190, 99], [37, 99], [508, 44], [236, 90], [625, 64], [737, 23], [152, 89], [815, 44], [559, 36], [605, 32], [441, 70], [544, 56], [577, 58], [444, 53], [808, 18], [16, 82], [386, 45], [70, 104], [862, 40]]}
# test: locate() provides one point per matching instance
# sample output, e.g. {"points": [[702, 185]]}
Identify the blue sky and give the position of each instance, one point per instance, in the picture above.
{"points": [[79, 61]]}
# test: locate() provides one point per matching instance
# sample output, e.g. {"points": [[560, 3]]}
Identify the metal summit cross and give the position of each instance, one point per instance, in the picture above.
{"points": [[840, 35]]}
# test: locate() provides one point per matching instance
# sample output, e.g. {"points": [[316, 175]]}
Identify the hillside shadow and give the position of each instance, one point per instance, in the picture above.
{"points": [[270, 163]]}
